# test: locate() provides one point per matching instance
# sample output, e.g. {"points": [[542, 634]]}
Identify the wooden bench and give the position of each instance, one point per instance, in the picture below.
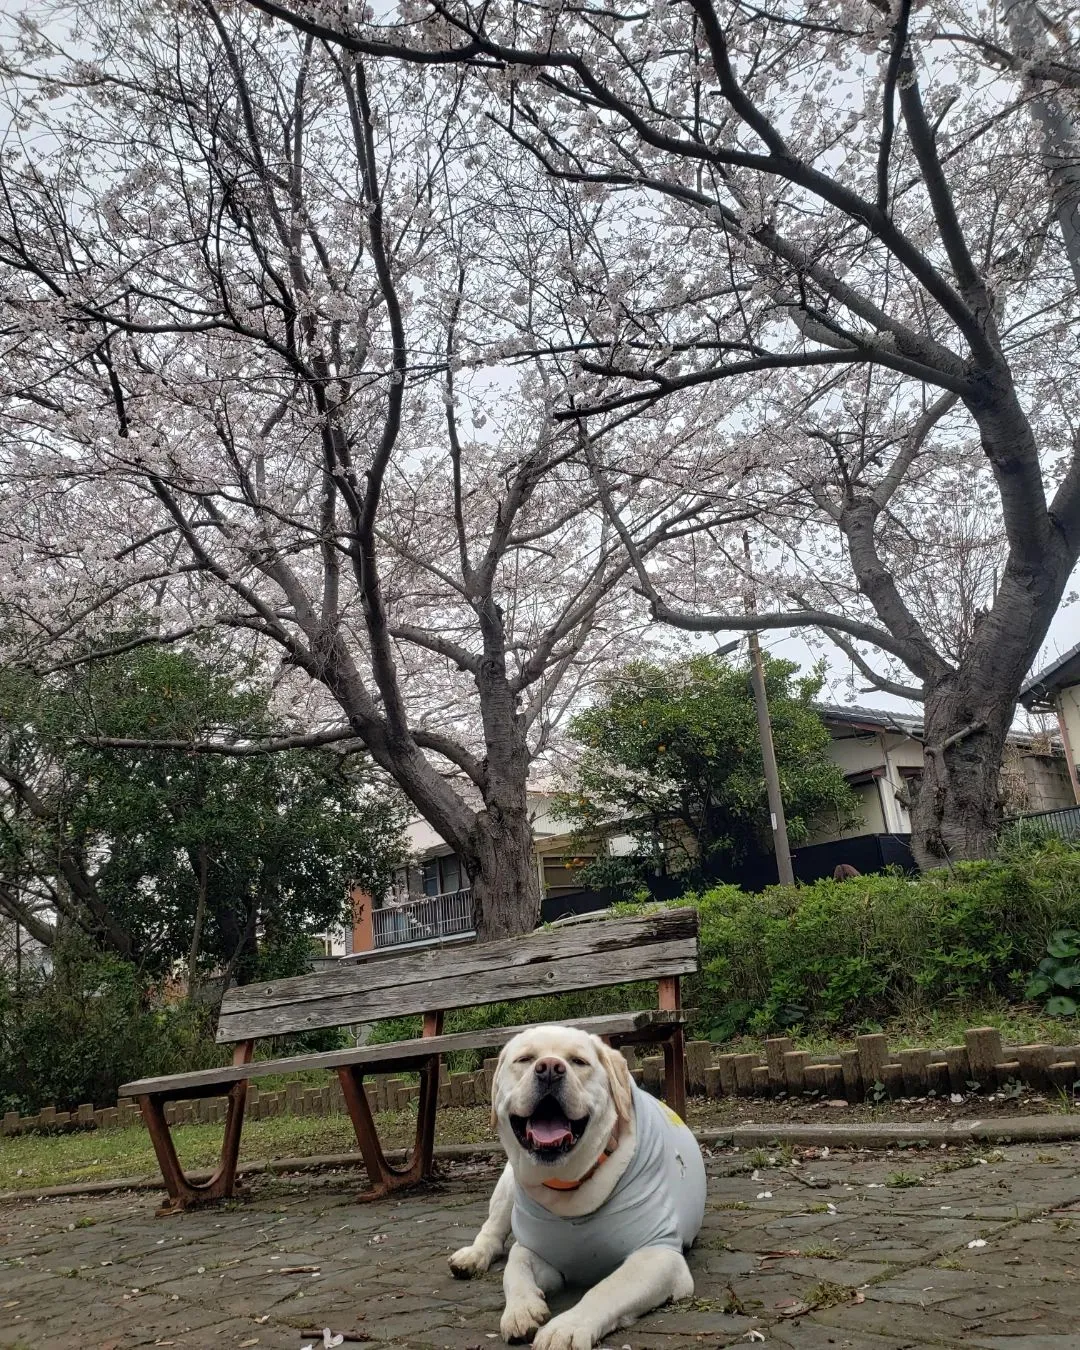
{"points": [[660, 946]]}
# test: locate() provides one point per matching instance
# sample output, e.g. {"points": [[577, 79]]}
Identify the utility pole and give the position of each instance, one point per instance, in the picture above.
{"points": [[768, 755]]}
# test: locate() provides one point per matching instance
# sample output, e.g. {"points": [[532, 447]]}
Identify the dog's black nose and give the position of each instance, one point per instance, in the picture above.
{"points": [[548, 1070]]}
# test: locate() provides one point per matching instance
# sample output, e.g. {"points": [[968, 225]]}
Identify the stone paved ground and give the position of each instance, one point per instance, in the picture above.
{"points": [[884, 1266]]}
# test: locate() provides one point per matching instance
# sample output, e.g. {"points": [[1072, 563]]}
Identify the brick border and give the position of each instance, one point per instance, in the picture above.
{"points": [[295, 1099], [870, 1070], [983, 1063]]}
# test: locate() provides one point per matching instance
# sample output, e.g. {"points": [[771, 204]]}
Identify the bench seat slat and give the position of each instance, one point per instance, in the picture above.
{"points": [[609, 952], [394, 1055]]}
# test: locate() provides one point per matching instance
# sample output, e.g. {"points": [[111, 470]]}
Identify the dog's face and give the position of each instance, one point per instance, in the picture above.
{"points": [[557, 1096]]}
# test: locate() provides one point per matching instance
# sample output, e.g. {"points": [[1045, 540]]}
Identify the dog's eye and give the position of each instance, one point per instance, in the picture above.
{"points": [[581, 1063], [524, 1059]]}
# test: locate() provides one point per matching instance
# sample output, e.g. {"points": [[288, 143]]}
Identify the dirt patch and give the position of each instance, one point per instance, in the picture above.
{"points": [[711, 1114]]}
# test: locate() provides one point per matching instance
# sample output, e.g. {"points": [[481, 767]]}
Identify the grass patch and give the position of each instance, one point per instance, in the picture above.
{"points": [[31, 1160], [900, 1181], [820, 1251], [828, 1294]]}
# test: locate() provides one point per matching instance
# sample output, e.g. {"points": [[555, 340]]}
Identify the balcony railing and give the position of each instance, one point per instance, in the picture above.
{"points": [[425, 920]]}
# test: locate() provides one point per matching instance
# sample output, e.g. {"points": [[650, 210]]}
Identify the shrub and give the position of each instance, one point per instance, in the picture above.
{"points": [[524, 1012], [73, 1035], [1057, 979], [858, 952]]}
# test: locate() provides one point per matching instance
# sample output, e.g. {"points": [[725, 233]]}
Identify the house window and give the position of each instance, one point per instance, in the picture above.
{"points": [[442, 876], [450, 874]]}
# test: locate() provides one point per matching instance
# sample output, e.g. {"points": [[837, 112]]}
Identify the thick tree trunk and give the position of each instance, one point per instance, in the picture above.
{"points": [[502, 869], [956, 814], [968, 711]]}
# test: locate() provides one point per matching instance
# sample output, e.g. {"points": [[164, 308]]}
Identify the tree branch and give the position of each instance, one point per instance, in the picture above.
{"points": [[343, 738], [899, 42], [18, 910], [880, 682], [793, 618]]}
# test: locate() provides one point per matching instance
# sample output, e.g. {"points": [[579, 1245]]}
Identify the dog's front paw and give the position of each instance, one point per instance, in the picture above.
{"points": [[522, 1317], [468, 1262], [566, 1332]]}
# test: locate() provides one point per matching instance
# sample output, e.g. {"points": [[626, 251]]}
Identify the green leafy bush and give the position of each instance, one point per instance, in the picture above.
{"points": [[523, 1012], [1058, 977], [73, 1035], [856, 953]]}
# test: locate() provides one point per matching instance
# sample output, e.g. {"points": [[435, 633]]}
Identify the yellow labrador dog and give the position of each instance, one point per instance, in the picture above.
{"points": [[605, 1187]]}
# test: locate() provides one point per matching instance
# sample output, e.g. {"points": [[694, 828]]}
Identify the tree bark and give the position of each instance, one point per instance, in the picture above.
{"points": [[956, 813], [200, 919], [19, 912], [502, 870]]}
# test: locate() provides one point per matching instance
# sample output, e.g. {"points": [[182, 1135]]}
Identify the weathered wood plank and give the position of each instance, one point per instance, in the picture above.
{"points": [[448, 990], [418, 967], [397, 1054]]}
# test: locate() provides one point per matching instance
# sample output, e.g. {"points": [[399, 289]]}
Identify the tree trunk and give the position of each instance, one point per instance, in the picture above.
{"points": [[502, 870], [238, 933], [956, 813], [969, 710], [200, 920]]}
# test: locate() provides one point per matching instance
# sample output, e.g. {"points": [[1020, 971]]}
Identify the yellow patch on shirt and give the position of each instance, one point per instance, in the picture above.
{"points": [[675, 1120]]}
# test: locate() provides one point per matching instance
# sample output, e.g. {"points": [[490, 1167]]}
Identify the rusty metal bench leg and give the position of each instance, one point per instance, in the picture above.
{"points": [[383, 1177], [183, 1193], [674, 1048]]}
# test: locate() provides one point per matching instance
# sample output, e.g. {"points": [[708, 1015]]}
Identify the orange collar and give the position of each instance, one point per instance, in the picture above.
{"points": [[573, 1185]]}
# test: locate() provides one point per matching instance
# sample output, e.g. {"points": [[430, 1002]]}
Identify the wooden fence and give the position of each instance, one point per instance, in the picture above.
{"points": [[870, 1071]]}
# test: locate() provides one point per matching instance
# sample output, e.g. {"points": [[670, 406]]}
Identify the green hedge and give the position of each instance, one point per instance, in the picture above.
{"points": [[857, 953], [521, 1012], [832, 955], [75, 1034]]}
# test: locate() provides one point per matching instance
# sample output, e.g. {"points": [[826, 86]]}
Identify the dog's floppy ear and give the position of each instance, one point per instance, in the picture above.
{"points": [[619, 1080], [495, 1085]]}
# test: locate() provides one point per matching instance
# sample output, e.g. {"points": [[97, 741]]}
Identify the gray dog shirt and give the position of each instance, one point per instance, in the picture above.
{"points": [[659, 1201]]}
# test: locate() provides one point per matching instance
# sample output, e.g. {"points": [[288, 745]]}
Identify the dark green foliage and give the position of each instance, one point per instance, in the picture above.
{"points": [[855, 953], [847, 955], [671, 754], [127, 842], [523, 1012], [1057, 980], [76, 1034], [73, 1033]]}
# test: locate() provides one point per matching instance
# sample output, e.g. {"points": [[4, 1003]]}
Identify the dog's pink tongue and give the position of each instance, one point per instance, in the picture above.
{"points": [[548, 1133]]}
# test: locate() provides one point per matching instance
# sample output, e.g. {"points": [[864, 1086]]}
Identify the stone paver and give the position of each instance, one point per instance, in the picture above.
{"points": [[862, 1262]]}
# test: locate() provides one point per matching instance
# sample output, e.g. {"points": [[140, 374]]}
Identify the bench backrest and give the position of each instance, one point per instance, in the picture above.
{"points": [[549, 961]]}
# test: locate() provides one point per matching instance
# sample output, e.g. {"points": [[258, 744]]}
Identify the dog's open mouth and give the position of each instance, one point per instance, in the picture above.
{"points": [[549, 1132]]}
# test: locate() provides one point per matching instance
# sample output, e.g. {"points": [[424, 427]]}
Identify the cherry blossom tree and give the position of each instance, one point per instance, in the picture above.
{"points": [[253, 379], [857, 222]]}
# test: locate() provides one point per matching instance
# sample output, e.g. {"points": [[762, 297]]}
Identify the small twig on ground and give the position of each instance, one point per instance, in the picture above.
{"points": [[815, 1183]]}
